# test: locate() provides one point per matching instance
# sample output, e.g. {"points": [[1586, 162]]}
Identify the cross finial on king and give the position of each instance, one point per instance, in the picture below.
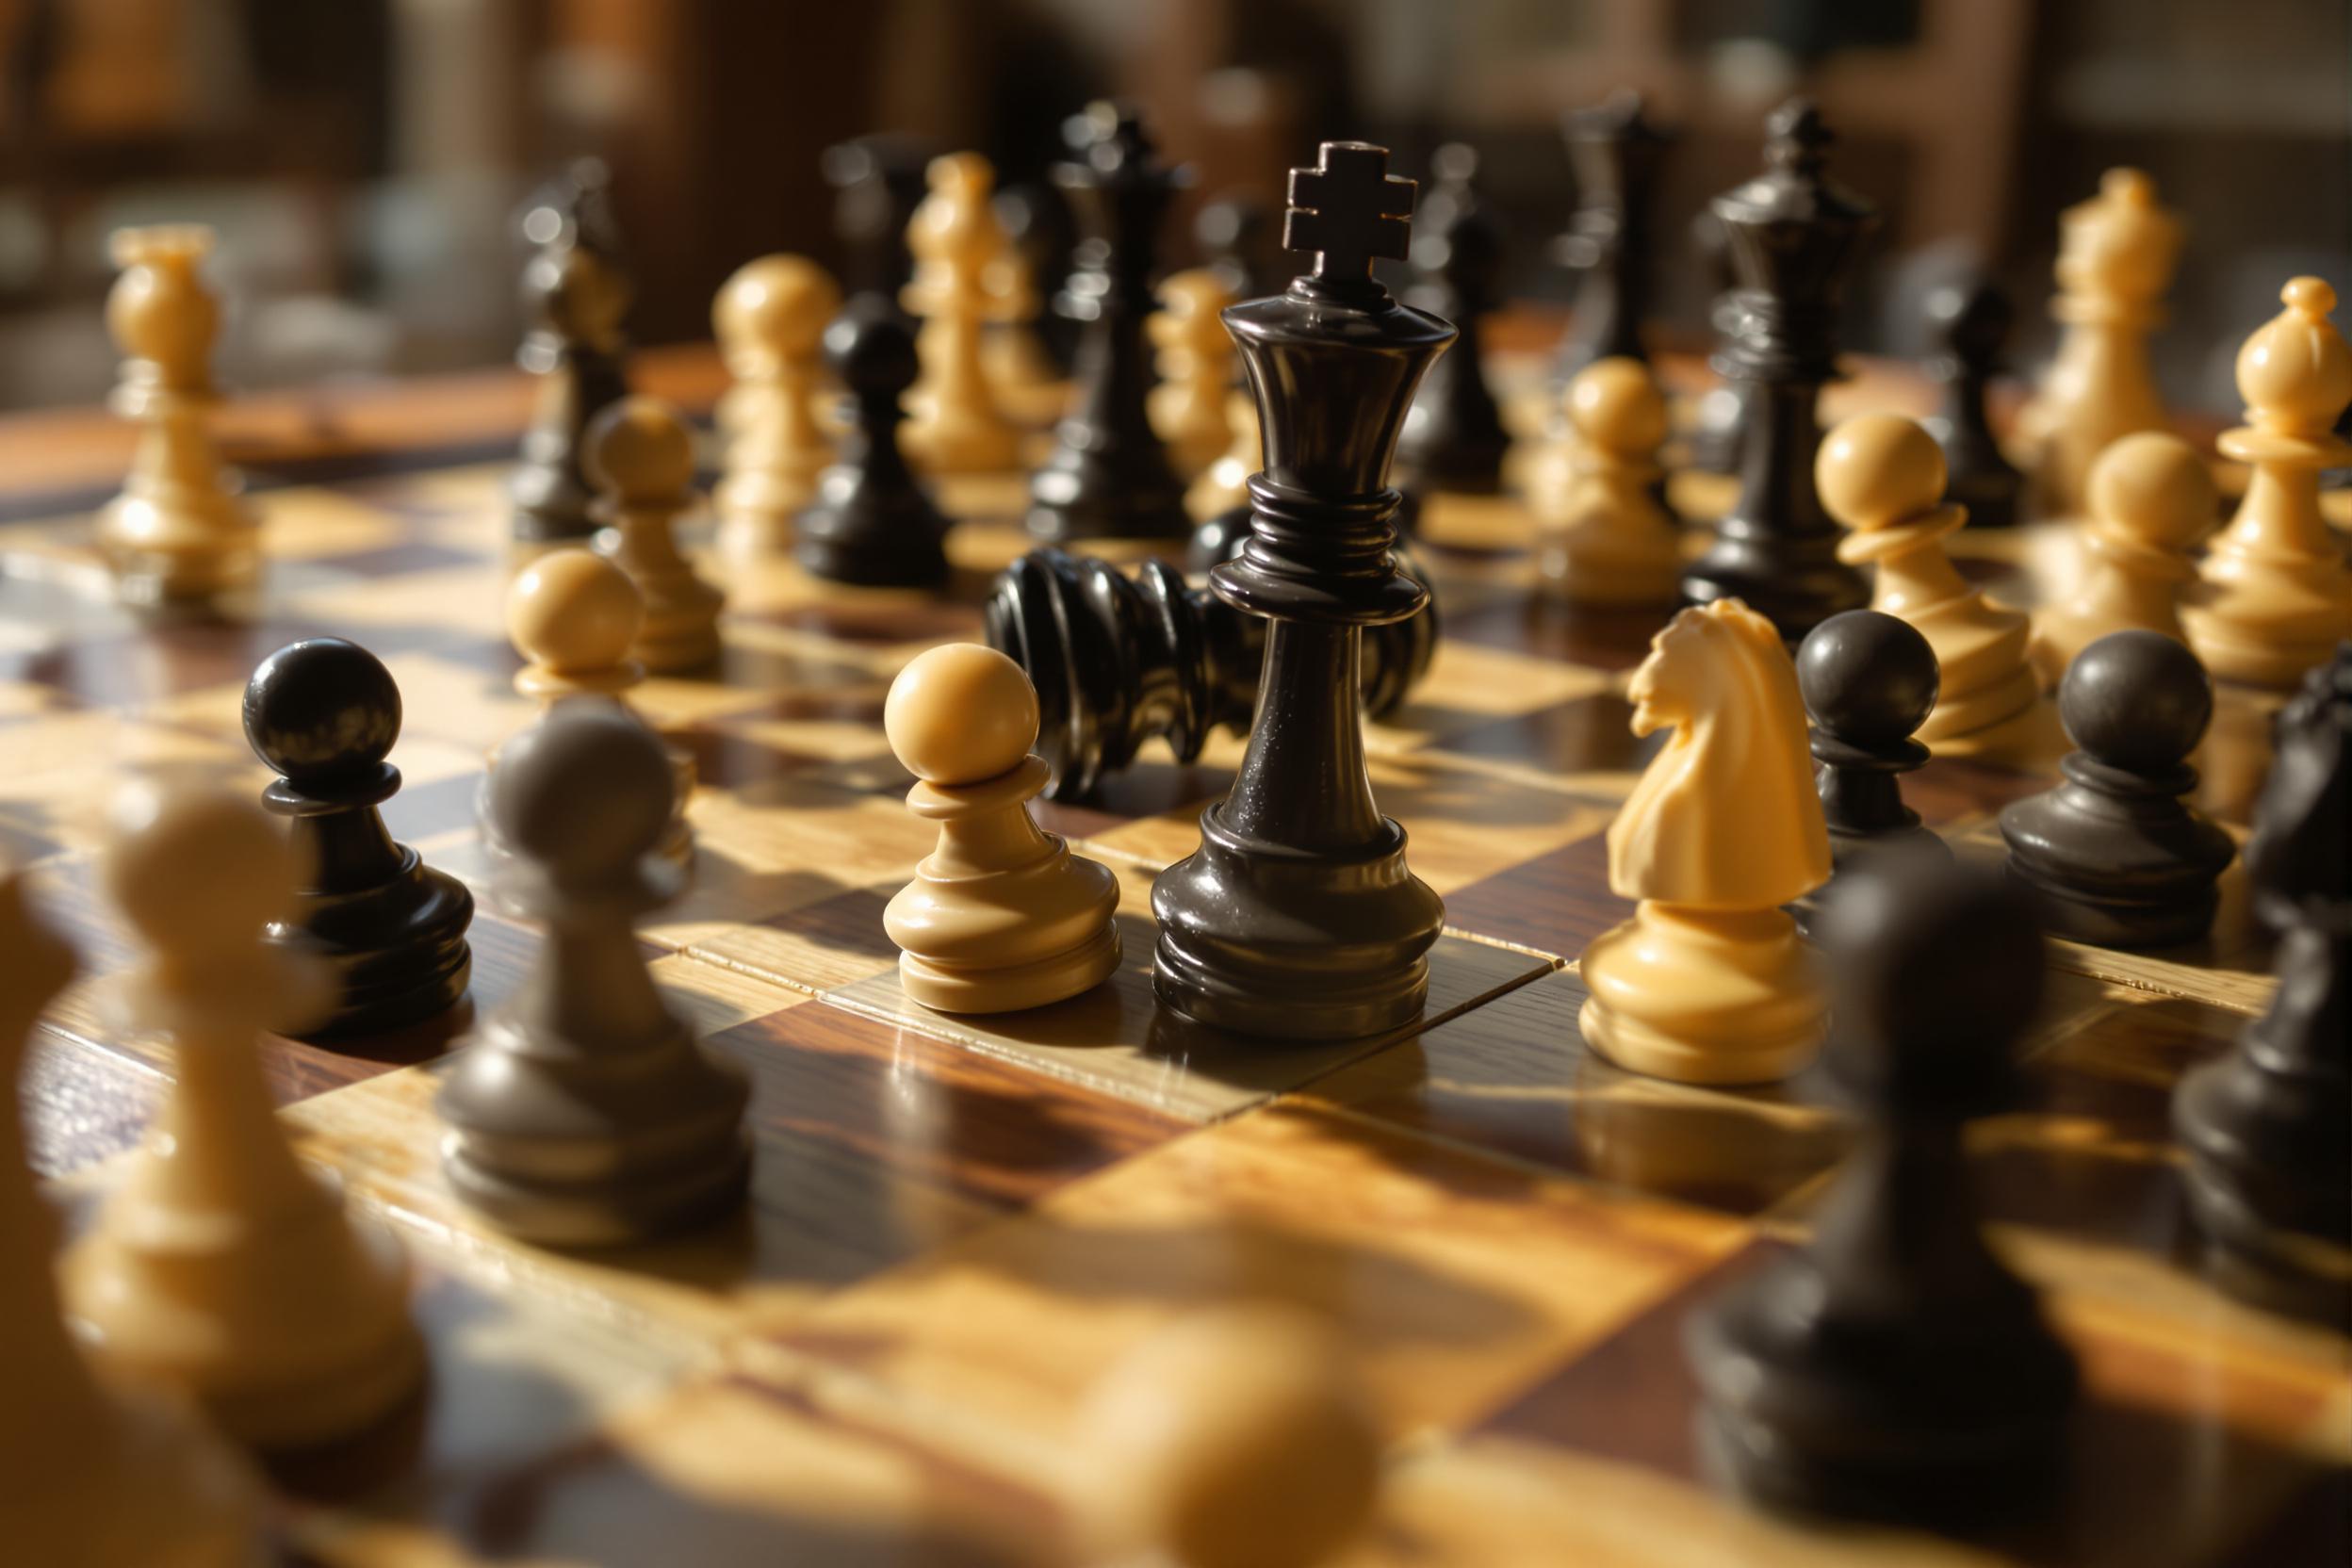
{"points": [[1348, 209]]}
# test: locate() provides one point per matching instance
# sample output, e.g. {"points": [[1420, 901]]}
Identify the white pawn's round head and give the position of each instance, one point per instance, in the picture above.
{"points": [[1233, 1439], [960, 713], [198, 870]]}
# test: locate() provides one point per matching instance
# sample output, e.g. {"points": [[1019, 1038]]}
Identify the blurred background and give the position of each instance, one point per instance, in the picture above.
{"points": [[363, 158]]}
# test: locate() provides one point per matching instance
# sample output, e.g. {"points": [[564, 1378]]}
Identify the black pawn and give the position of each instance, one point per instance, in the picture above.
{"points": [[576, 294], [1454, 437], [1794, 237], [1869, 680], [2117, 854], [585, 1112], [877, 182], [1298, 918], [1970, 324], [1617, 155], [872, 522], [1117, 661], [1894, 1370], [1237, 242], [323, 715], [2268, 1126], [1108, 477]]}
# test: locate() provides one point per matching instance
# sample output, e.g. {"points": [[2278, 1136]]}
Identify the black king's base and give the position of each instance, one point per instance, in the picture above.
{"points": [[1297, 918]]}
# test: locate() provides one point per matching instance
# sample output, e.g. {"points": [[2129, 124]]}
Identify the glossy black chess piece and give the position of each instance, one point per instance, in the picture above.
{"points": [[1713, 442], [584, 1112], [1297, 918], [1894, 1368], [1794, 237], [1038, 226], [1221, 537], [2268, 1125], [877, 181], [1118, 660], [322, 713], [1869, 682], [2117, 854], [1617, 152], [871, 522], [576, 293], [1970, 323], [1454, 437], [1236, 236], [1108, 475]]}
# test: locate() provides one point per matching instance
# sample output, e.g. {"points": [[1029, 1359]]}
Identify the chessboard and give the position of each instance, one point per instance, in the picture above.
{"points": [[958, 1224]]}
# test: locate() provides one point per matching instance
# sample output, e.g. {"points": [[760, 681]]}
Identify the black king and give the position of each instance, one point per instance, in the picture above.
{"points": [[1297, 917]]}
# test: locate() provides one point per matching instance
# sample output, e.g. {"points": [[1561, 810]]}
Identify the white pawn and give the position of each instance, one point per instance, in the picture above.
{"points": [[2151, 498], [1002, 915], [95, 1477], [1605, 540], [178, 531], [573, 615], [1233, 1439], [639, 453], [1881, 477], [771, 319], [1191, 408], [219, 1267]]}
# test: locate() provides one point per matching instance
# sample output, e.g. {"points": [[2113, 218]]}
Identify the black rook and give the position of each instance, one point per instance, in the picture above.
{"points": [[1297, 917]]}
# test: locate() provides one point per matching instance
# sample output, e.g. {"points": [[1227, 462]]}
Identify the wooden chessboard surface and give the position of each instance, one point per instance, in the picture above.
{"points": [[957, 1224]]}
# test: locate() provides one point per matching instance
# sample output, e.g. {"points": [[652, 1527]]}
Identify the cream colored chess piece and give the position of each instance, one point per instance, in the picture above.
{"points": [[219, 1266], [643, 460], [94, 1478], [1707, 982], [962, 281], [1235, 1438], [1881, 477], [2151, 498], [771, 319], [1225, 483], [2116, 257], [573, 616], [1606, 541], [2277, 597], [1001, 916], [1191, 408], [179, 530]]}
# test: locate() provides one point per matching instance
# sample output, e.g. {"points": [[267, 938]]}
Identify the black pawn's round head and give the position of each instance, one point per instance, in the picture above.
{"points": [[585, 793], [1867, 677], [2136, 700], [1936, 967], [871, 348], [323, 712]]}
